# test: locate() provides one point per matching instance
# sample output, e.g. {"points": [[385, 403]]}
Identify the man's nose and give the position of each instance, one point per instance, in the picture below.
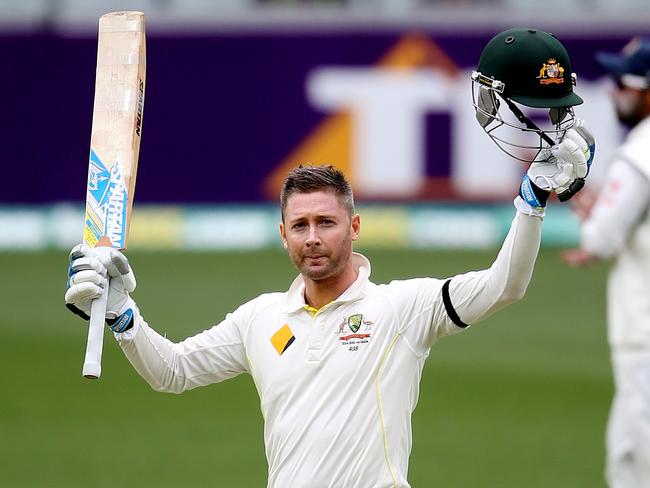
{"points": [[313, 238]]}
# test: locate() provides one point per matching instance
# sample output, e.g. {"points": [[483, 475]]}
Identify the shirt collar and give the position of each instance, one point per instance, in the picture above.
{"points": [[295, 296]]}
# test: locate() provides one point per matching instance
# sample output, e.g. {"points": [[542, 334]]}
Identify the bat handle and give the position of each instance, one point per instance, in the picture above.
{"points": [[93, 361]]}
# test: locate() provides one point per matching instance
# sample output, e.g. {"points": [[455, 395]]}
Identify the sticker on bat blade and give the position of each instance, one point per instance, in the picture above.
{"points": [[92, 232], [98, 177], [117, 200], [106, 203]]}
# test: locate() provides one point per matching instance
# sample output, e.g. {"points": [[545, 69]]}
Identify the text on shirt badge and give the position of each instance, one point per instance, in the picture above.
{"points": [[354, 330]]}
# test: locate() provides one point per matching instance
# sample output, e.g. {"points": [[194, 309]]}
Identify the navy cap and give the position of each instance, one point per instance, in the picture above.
{"points": [[634, 59]]}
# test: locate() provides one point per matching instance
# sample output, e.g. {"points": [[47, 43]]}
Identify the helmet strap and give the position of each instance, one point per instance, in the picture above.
{"points": [[526, 121]]}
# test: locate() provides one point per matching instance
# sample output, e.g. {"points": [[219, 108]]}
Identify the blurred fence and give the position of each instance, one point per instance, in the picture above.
{"points": [[240, 91], [245, 228]]}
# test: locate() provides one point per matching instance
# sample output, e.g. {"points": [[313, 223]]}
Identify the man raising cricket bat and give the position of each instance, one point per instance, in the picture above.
{"points": [[114, 148], [337, 359]]}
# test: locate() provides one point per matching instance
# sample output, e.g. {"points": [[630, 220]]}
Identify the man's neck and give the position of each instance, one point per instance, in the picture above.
{"points": [[319, 293]]}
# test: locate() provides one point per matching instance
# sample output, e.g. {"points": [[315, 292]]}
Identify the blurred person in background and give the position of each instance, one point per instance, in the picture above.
{"points": [[616, 225], [337, 359]]}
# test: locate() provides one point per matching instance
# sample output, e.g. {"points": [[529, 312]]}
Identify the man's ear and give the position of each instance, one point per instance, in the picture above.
{"points": [[356, 226], [283, 235]]}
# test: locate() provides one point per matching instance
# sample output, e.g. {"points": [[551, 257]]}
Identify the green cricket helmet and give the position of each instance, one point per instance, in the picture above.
{"points": [[532, 68]]}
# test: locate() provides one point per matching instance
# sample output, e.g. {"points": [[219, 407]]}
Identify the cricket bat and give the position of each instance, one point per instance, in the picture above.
{"points": [[114, 149]]}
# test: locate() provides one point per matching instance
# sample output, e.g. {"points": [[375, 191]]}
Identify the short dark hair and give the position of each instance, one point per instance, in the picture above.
{"points": [[308, 179]]}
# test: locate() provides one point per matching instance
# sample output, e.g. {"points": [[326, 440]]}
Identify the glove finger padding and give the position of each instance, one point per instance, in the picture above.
{"points": [[87, 264], [574, 150], [128, 280], [563, 167], [82, 289], [585, 133], [86, 276], [83, 292], [564, 176], [121, 282], [589, 139], [89, 268], [118, 268], [79, 251]]}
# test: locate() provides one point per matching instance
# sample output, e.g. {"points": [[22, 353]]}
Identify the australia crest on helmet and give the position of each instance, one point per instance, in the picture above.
{"points": [[551, 72]]}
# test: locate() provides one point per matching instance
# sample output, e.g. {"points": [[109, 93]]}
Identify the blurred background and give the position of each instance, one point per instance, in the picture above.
{"points": [[238, 92]]}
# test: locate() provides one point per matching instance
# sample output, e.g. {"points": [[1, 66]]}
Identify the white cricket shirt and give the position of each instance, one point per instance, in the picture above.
{"points": [[338, 385], [619, 225]]}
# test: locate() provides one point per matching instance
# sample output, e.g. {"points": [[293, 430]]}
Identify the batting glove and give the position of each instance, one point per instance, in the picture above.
{"points": [[561, 169], [90, 271]]}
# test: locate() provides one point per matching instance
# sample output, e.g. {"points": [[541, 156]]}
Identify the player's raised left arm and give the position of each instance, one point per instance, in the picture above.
{"points": [[471, 297]]}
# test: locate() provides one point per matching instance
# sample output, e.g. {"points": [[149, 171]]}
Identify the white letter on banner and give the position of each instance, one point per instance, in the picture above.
{"points": [[388, 109]]}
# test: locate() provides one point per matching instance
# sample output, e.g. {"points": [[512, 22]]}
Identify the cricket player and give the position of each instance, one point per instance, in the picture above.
{"points": [[617, 226], [337, 359]]}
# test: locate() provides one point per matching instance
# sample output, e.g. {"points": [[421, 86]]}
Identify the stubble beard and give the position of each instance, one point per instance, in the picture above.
{"points": [[320, 272], [629, 120], [628, 110], [331, 265]]}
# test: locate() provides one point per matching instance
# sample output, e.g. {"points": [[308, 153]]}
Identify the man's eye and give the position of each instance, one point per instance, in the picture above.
{"points": [[298, 226], [327, 222]]}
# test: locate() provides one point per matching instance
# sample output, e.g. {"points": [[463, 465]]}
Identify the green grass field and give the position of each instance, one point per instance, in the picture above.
{"points": [[519, 400]]}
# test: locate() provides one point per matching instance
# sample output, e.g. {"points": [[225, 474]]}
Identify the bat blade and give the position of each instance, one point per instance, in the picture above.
{"points": [[116, 129], [114, 150]]}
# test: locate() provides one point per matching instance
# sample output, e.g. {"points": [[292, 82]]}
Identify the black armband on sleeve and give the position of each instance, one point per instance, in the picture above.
{"points": [[450, 308]]}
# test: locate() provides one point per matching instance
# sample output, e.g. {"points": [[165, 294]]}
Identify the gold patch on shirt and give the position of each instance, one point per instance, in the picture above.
{"points": [[282, 339]]}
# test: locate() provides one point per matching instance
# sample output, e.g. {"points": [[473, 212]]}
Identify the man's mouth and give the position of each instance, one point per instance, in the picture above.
{"points": [[314, 258]]}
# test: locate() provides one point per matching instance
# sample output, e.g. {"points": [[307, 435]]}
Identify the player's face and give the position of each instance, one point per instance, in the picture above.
{"points": [[632, 105], [318, 232]]}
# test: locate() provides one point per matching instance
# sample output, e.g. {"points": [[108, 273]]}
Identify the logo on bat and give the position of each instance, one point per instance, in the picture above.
{"points": [[115, 203], [98, 177], [107, 205], [138, 117]]}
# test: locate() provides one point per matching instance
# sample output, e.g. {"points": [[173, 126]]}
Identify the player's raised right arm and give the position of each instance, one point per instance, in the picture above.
{"points": [[211, 356]]}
